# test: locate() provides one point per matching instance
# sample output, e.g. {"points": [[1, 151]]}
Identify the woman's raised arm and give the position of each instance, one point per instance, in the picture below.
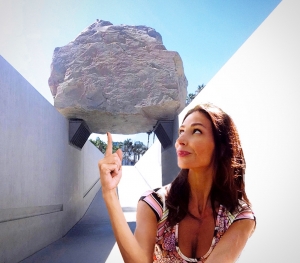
{"points": [[137, 248]]}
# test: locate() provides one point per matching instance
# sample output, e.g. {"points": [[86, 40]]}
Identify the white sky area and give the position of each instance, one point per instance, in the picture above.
{"points": [[205, 33]]}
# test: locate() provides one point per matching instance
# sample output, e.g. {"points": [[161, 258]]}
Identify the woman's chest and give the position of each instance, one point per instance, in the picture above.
{"points": [[195, 237]]}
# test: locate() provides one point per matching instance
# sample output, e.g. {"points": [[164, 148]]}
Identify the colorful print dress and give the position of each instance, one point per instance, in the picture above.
{"points": [[166, 248]]}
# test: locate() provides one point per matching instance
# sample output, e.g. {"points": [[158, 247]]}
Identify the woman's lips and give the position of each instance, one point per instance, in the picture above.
{"points": [[182, 153]]}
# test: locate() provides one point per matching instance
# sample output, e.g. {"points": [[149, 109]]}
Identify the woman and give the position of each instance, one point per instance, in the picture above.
{"points": [[204, 215]]}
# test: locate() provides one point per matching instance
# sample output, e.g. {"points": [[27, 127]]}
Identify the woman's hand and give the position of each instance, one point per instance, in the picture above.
{"points": [[110, 167]]}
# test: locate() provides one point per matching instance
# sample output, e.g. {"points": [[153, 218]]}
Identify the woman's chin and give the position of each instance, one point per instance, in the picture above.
{"points": [[182, 165]]}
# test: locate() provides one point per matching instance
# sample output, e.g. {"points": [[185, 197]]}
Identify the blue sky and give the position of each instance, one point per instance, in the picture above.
{"points": [[204, 33]]}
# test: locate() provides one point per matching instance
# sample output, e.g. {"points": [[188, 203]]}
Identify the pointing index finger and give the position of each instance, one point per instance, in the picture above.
{"points": [[109, 144]]}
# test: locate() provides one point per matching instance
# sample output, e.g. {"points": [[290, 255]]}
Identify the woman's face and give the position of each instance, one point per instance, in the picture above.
{"points": [[195, 144]]}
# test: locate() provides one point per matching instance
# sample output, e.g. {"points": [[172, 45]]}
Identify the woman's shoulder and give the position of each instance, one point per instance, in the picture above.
{"points": [[161, 192], [156, 199], [242, 211]]}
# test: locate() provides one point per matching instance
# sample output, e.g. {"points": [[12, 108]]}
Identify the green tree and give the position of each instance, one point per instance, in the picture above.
{"points": [[199, 88], [101, 145], [127, 151], [191, 96], [138, 150], [132, 152]]}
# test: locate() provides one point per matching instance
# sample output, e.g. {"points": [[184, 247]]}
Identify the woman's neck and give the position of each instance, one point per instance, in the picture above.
{"points": [[200, 187]]}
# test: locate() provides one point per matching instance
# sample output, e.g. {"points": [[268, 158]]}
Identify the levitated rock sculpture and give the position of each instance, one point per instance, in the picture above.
{"points": [[118, 78]]}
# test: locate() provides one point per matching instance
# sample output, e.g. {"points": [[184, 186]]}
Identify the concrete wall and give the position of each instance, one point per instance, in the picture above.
{"points": [[149, 166], [260, 88], [46, 183]]}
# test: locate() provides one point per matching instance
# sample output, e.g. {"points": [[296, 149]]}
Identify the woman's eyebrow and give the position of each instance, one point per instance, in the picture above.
{"points": [[193, 124], [197, 124]]}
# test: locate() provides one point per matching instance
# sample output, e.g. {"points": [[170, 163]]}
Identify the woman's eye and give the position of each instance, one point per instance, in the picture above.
{"points": [[197, 131], [180, 132]]}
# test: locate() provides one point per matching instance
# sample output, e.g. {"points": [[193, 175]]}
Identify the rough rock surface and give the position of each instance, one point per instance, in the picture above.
{"points": [[118, 78]]}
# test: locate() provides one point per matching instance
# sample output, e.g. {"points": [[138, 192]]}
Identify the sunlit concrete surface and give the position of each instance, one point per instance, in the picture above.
{"points": [[131, 187], [150, 167], [115, 255]]}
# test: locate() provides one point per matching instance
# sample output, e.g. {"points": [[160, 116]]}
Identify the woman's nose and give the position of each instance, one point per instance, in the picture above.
{"points": [[181, 140]]}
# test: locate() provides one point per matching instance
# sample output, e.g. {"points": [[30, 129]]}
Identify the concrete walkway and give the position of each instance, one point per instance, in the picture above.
{"points": [[91, 240]]}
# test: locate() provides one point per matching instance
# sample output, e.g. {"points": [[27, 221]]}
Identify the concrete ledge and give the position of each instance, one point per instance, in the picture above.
{"points": [[85, 194], [11, 214]]}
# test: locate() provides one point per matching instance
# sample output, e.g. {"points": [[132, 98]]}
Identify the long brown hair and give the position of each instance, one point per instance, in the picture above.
{"points": [[229, 164]]}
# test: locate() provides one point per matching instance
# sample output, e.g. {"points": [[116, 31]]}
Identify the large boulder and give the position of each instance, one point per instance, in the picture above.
{"points": [[118, 78]]}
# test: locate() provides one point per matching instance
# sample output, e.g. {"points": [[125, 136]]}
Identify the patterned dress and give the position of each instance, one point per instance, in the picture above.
{"points": [[166, 248]]}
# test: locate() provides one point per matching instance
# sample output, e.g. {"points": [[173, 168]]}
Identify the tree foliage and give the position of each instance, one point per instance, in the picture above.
{"points": [[101, 145], [132, 151], [191, 96]]}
